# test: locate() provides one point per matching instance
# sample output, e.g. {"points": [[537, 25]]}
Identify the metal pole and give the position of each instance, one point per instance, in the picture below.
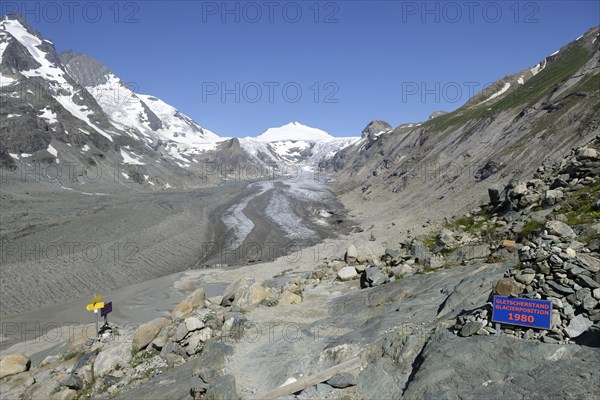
{"points": [[497, 329]]}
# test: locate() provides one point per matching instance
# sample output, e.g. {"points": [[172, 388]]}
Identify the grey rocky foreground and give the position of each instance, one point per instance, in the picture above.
{"points": [[413, 322], [504, 367]]}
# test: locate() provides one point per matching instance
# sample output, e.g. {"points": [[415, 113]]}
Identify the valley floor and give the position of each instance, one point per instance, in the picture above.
{"points": [[61, 247]]}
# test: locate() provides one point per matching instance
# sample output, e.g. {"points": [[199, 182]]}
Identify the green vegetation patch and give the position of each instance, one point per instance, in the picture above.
{"points": [[570, 60], [530, 227], [582, 205]]}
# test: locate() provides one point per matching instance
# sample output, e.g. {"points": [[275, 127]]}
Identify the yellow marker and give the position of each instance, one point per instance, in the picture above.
{"points": [[97, 299], [95, 306]]}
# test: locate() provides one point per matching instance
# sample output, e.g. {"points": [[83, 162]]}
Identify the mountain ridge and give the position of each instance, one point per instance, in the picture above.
{"points": [[71, 108]]}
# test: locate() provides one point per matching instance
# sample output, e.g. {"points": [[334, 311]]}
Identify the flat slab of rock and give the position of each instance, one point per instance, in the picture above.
{"points": [[193, 324], [222, 388], [147, 332], [471, 328], [14, 364], [476, 368], [112, 355], [590, 263]]}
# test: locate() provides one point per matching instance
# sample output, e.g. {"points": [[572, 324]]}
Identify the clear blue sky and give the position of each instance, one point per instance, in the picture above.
{"points": [[364, 54]]}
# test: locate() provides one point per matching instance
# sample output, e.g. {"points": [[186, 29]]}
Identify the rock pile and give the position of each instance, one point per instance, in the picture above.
{"points": [[371, 271], [557, 262], [550, 269], [549, 185], [194, 330]]}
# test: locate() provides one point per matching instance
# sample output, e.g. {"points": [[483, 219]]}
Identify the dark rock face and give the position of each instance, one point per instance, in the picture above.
{"points": [[494, 196], [72, 381], [341, 381], [489, 169], [86, 70], [374, 128], [207, 379], [155, 122]]}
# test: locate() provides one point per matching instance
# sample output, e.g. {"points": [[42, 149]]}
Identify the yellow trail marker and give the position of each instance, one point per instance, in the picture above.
{"points": [[95, 306]]}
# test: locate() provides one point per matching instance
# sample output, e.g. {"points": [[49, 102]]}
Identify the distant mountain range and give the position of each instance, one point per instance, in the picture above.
{"points": [[71, 108]]}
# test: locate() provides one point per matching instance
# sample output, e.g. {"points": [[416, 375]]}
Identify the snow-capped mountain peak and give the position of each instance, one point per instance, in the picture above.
{"points": [[144, 117], [294, 143], [294, 131]]}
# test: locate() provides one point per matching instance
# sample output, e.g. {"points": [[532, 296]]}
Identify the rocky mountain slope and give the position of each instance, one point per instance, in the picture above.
{"points": [[429, 170], [146, 118], [49, 117]]}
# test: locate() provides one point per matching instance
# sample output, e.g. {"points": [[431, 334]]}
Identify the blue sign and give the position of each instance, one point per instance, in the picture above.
{"points": [[106, 309], [525, 312]]}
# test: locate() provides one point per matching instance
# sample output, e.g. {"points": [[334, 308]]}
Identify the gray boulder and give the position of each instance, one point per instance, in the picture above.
{"points": [[587, 153], [347, 273], [112, 355], [147, 332], [435, 262], [72, 381], [181, 332], [560, 229], [244, 293], [578, 325], [372, 277], [341, 381], [193, 324], [351, 254]]}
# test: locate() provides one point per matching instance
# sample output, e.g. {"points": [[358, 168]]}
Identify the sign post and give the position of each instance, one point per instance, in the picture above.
{"points": [[105, 311], [531, 313], [94, 306]]}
